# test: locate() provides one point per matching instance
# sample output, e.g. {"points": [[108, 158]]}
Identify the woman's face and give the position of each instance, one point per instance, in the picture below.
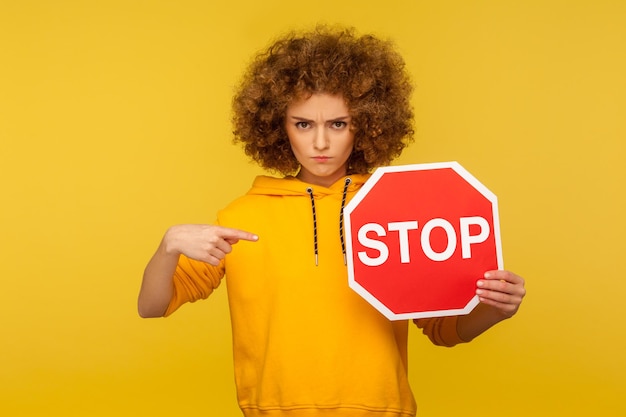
{"points": [[319, 132]]}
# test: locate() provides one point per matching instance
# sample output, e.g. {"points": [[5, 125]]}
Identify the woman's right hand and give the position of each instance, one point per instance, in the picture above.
{"points": [[206, 243]]}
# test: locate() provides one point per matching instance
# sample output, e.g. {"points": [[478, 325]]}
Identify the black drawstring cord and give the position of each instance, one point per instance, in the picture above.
{"points": [[343, 204], [310, 191]]}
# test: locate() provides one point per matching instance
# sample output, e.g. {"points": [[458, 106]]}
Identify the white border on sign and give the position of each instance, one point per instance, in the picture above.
{"points": [[369, 184]]}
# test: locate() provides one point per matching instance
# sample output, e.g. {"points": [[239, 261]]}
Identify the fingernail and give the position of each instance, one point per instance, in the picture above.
{"points": [[480, 283]]}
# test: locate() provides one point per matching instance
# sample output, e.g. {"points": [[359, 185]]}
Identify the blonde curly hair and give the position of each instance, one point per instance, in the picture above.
{"points": [[365, 70]]}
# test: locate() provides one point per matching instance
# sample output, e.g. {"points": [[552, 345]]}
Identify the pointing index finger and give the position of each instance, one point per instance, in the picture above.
{"points": [[238, 234]]}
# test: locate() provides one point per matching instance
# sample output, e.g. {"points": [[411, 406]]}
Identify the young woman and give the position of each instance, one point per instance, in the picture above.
{"points": [[322, 109]]}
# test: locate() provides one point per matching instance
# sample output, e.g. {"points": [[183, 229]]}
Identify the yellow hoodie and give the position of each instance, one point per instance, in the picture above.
{"points": [[305, 344]]}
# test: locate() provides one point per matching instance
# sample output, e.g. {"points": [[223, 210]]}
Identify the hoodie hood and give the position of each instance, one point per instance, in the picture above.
{"points": [[291, 186]]}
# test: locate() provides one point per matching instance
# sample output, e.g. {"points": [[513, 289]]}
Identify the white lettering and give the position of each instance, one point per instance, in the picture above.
{"points": [[425, 239], [403, 230], [373, 244], [467, 239]]}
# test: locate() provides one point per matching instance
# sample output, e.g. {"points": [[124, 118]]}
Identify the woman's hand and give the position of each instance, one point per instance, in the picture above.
{"points": [[206, 243], [500, 294], [502, 290]]}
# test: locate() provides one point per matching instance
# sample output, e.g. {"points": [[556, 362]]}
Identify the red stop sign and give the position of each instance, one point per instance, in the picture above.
{"points": [[418, 239]]}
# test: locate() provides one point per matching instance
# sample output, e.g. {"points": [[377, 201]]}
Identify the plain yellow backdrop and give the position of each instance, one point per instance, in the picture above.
{"points": [[114, 124]]}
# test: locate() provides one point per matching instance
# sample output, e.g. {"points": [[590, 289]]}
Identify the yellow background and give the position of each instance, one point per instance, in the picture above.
{"points": [[114, 124]]}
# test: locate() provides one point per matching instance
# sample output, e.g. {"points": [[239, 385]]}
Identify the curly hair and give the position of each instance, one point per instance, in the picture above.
{"points": [[366, 71]]}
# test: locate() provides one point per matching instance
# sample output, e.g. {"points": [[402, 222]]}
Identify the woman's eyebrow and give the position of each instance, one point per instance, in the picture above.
{"points": [[332, 119], [304, 119]]}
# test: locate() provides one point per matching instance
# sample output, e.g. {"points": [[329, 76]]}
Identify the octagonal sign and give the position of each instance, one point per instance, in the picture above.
{"points": [[419, 237]]}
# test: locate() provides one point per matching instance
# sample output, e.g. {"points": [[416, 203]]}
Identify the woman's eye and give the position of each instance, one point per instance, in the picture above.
{"points": [[339, 124], [302, 125]]}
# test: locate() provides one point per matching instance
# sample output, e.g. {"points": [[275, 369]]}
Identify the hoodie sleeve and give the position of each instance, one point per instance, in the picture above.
{"points": [[440, 330], [193, 281]]}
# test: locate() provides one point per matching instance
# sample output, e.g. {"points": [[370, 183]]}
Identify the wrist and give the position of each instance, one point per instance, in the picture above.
{"points": [[169, 244]]}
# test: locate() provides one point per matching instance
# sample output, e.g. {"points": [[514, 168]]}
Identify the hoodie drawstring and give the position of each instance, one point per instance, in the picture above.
{"points": [[343, 204], [309, 191]]}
